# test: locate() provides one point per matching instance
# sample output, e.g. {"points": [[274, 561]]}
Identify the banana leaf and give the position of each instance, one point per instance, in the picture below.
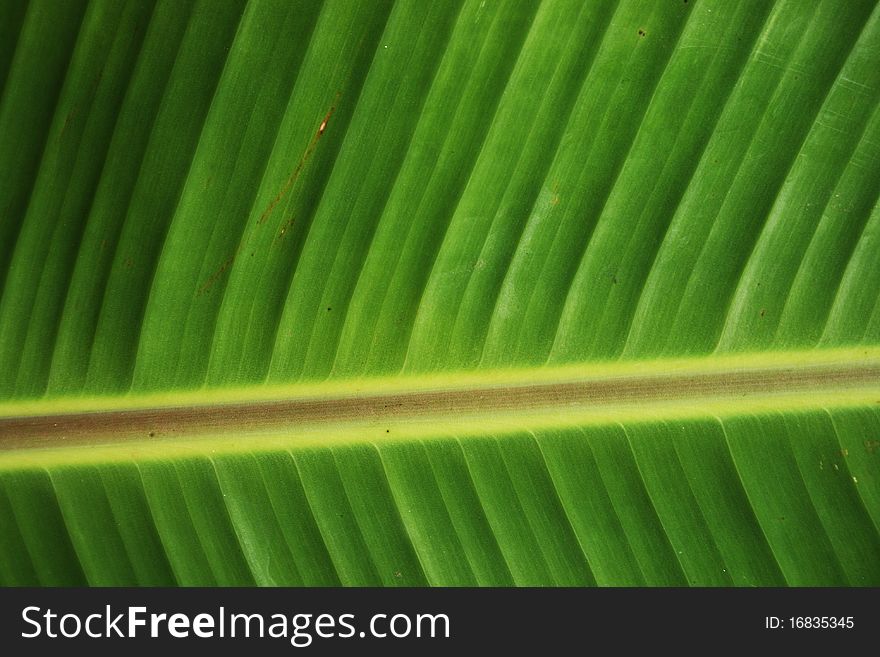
{"points": [[441, 292]]}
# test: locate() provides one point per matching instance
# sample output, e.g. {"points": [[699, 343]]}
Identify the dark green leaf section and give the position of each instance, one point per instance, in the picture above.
{"points": [[44, 549], [27, 105], [11, 18], [748, 501], [72, 164]]}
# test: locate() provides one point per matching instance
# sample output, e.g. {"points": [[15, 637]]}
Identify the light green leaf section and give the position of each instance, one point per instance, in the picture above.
{"points": [[370, 204]]}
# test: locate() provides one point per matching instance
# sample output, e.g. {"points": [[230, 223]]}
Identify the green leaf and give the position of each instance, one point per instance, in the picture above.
{"points": [[456, 292]]}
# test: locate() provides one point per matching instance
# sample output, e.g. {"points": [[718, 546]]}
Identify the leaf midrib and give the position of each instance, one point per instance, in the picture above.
{"points": [[738, 381]]}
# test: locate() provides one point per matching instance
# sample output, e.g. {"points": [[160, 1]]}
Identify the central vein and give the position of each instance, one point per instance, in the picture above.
{"points": [[542, 396]]}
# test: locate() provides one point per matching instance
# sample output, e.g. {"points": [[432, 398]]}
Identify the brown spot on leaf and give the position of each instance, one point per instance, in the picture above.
{"points": [[208, 284], [75, 110], [285, 188]]}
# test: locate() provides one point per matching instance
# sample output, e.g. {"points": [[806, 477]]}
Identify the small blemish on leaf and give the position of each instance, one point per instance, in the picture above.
{"points": [[642, 33]]}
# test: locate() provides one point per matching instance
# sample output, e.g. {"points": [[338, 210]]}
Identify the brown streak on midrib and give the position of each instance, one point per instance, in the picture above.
{"points": [[139, 424]]}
